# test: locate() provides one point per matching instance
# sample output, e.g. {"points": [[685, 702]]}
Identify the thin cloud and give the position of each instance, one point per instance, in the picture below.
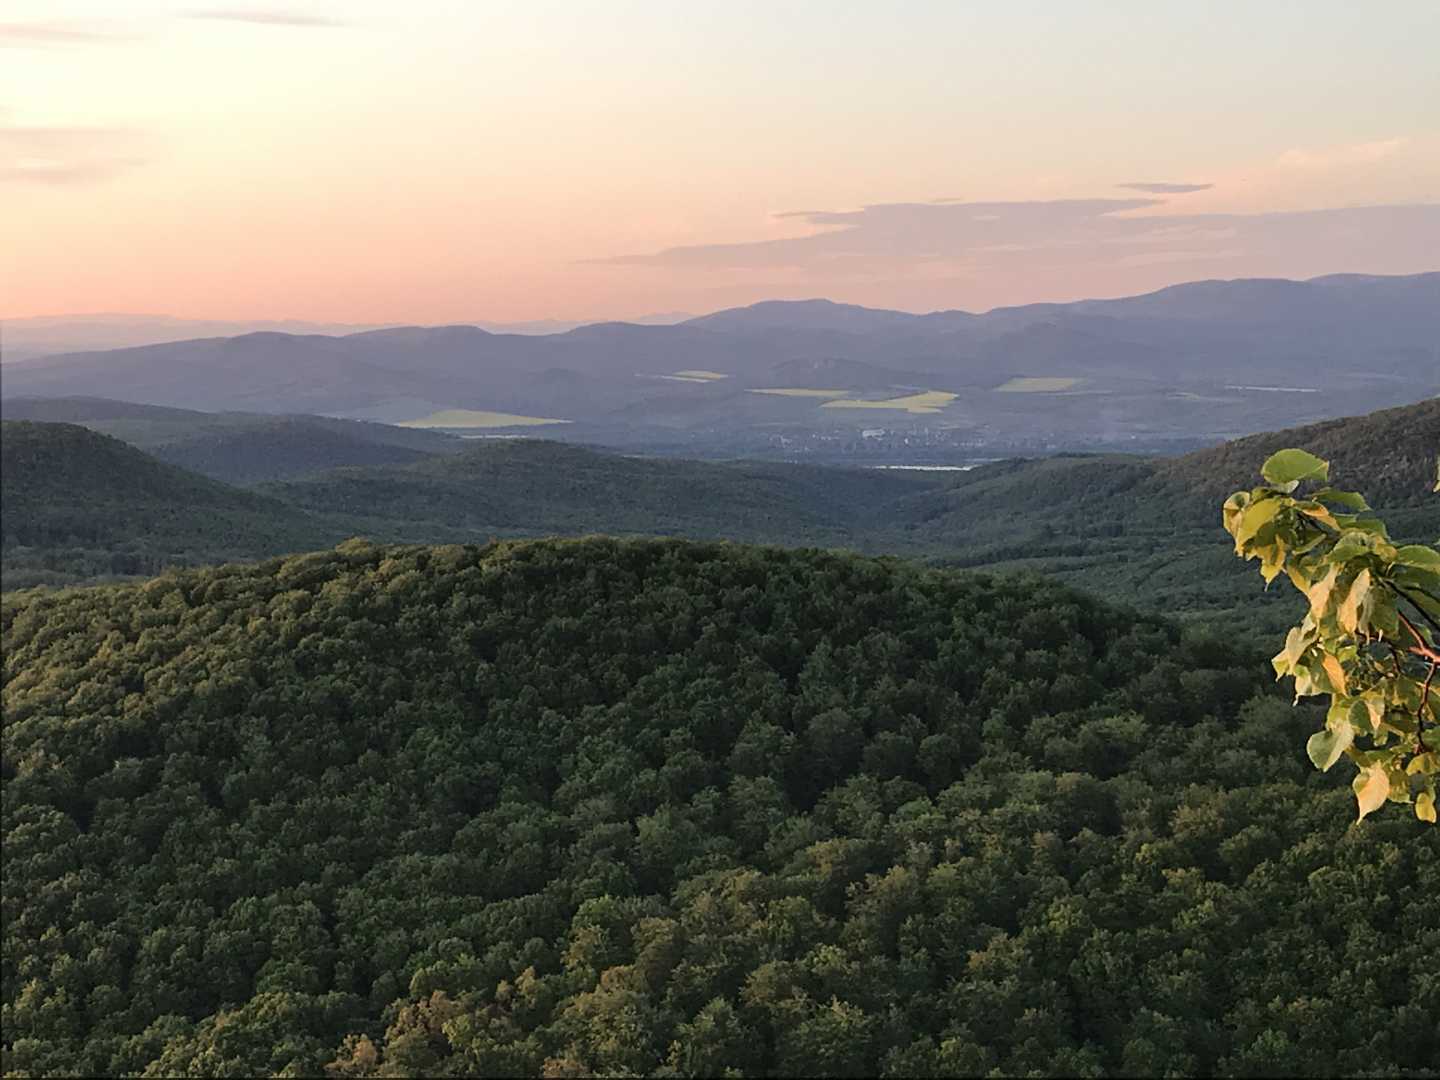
{"points": [[67, 156], [65, 173], [1158, 188], [1068, 235], [893, 231], [48, 35], [266, 18], [1334, 157]]}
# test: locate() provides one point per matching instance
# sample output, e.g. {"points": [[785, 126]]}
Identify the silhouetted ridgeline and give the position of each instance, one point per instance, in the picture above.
{"points": [[1187, 361]]}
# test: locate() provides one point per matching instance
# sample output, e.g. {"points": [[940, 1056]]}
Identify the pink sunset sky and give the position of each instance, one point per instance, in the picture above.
{"points": [[457, 160]]}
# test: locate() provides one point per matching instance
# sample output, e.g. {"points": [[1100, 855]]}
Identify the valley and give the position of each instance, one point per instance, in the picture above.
{"points": [[1142, 529]]}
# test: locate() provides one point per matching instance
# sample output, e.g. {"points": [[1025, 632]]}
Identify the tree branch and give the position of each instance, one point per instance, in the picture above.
{"points": [[1421, 647], [1435, 626]]}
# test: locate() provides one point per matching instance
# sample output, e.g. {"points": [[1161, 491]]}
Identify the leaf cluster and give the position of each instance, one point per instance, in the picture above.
{"points": [[1367, 639]]}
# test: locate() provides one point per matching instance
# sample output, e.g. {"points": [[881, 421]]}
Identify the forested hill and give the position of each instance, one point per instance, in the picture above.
{"points": [[76, 502], [532, 487], [1148, 530], [661, 808], [1390, 454], [239, 448], [1140, 529]]}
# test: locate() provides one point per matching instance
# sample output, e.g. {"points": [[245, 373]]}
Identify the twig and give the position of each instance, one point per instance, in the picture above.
{"points": [[1420, 709]]}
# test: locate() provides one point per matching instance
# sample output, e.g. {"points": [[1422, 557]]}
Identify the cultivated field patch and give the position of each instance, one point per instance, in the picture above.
{"points": [[801, 391], [1036, 385], [928, 401], [478, 418]]}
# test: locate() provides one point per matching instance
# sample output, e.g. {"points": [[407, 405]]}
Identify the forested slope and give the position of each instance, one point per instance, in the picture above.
{"points": [[533, 487], [661, 808], [1392, 453], [239, 448], [78, 504], [1147, 530], [1144, 530]]}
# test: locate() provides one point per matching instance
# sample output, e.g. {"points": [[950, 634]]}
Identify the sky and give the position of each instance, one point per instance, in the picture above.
{"points": [[463, 160]]}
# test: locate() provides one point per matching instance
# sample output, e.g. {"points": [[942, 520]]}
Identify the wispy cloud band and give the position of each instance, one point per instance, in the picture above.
{"points": [[52, 35], [1157, 188], [1074, 234], [265, 18], [64, 156]]}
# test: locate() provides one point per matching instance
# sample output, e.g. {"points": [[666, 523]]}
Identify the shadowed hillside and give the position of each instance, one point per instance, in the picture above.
{"points": [[240, 448], [1390, 454], [536, 487], [1143, 529], [1148, 530], [80, 504]]}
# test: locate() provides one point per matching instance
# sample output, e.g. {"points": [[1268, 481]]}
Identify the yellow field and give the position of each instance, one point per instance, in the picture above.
{"points": [[801, 391], [702, 375], [1037, 385], [930, 401], [477, 418]]}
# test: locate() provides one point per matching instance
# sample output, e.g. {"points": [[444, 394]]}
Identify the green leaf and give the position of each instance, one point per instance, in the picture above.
{"points": [[1352, 500], [1352, 542], [1319, 593], [1427, 558], [1424, 764], [1382, 615], [1232, 509], [1372, 788], [1315, 510], [1254, 518], [1292, 466], [1354, 610], [1373, 526], [1425, 807], [1334, 672], [1296, 642], [1326, 747]]}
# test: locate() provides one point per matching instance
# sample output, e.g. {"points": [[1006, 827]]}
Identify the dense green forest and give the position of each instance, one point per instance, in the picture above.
{"points": [[1143, 530], [80, 506], [653, 807], [239, 447], [532, 487]]}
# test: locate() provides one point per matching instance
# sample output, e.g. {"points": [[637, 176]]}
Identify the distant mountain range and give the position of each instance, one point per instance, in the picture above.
{"points": [[1201, 361], [50, 335]]}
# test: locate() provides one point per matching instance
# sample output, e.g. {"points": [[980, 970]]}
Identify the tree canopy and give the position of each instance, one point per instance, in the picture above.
{"points": [[662, 808]]}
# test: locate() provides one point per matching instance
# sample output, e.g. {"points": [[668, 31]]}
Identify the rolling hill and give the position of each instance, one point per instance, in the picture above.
{"points": [[240, 448], [529, 487], [1148, 529], [1145, 530], [78, 504]]}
